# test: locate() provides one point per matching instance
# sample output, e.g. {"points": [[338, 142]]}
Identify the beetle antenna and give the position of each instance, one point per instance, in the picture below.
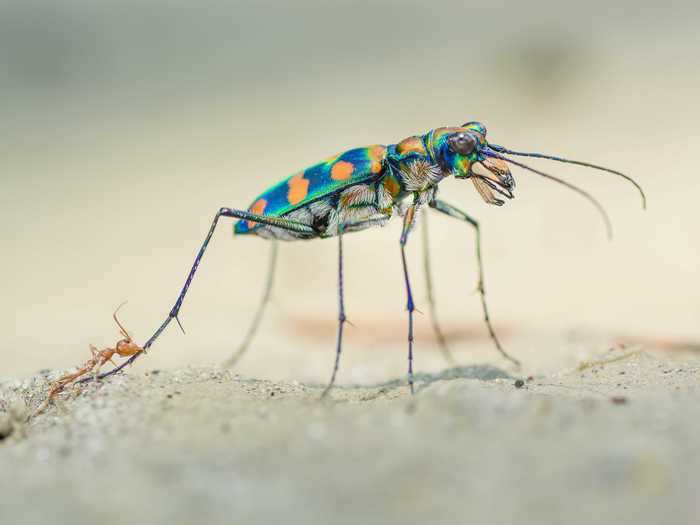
{"points": [[583, 193], [501, 149]]}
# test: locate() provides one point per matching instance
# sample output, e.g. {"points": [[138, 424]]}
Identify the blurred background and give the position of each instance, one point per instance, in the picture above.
{"points": [[126, 125]]}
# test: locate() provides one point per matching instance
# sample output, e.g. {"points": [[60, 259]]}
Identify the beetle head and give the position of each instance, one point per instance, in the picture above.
{"points": [[464, 153]]}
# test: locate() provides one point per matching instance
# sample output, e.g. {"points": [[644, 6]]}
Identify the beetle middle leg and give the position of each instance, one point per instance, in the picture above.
{"points": [[408, 221], [254, 325], [456, 213], [437, 329], [341, 314], [342, 319]]}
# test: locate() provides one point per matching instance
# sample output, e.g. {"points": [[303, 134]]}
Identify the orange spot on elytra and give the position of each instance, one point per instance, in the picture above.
{"points": [[392, 186], [258, 208], [377, 153], [410, 145], [298, 188], [342, 170], [376, 166]]}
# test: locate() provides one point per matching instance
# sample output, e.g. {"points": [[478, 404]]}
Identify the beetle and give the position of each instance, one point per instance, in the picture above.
{"points": [[365, 187]]}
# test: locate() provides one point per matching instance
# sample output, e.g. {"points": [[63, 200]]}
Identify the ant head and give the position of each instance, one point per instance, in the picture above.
{"points": [[126, 348]]}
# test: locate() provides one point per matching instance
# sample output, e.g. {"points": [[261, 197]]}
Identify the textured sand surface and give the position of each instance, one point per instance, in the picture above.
{"points": [[609, 443], [126, 124]]}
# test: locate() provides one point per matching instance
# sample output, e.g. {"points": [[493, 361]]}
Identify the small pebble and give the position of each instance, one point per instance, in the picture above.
{"points": [[618, 400], [6, 426], [19, 411], [519, 383]]}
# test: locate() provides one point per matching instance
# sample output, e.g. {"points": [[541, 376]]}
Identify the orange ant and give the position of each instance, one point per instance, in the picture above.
{"points": [[124, 348]]}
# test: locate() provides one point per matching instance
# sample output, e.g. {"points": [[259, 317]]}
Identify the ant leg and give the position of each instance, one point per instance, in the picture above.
{"points": [[439, 335], [453, 212], [341, 314], [252, 330], [277, 222], [408, 221]]}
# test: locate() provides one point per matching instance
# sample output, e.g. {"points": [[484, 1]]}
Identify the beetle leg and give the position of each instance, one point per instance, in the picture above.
{"points": [[408, 221], [252, 330], [437, 329], [455, 213], [341, 313], [342, 319]]}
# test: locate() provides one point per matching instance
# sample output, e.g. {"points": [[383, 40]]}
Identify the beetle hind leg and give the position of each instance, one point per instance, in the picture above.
{"points": [[277, 222], [262, 307]]}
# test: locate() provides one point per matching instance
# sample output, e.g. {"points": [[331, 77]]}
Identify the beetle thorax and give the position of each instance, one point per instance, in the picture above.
{"points": [[420, 175], [417, 168]]}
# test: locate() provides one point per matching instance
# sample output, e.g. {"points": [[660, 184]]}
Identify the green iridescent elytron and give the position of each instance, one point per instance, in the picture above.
{"points": [[365, 187]]}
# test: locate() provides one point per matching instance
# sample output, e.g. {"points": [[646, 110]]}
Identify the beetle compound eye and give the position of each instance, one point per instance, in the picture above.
{"points": [[462, 143]]}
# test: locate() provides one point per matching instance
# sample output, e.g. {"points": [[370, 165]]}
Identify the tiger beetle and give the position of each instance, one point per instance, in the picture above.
{"points": [[365, 187]]}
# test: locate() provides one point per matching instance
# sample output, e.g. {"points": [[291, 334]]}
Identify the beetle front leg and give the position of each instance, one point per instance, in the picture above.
{"points": [[456, 213], [427, 270]]}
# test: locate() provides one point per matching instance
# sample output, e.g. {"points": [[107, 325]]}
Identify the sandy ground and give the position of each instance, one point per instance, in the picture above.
{"points": [[587, 443]]}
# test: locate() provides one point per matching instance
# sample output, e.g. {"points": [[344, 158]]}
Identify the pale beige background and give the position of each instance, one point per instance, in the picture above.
{"points": [[125, 125]]}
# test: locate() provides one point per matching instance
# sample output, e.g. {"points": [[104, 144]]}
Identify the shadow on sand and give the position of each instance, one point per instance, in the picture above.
{"points": [[423, 380]]}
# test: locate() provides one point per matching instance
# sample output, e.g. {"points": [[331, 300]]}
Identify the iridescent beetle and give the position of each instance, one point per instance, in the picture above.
{"points": [[364, 187]]}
